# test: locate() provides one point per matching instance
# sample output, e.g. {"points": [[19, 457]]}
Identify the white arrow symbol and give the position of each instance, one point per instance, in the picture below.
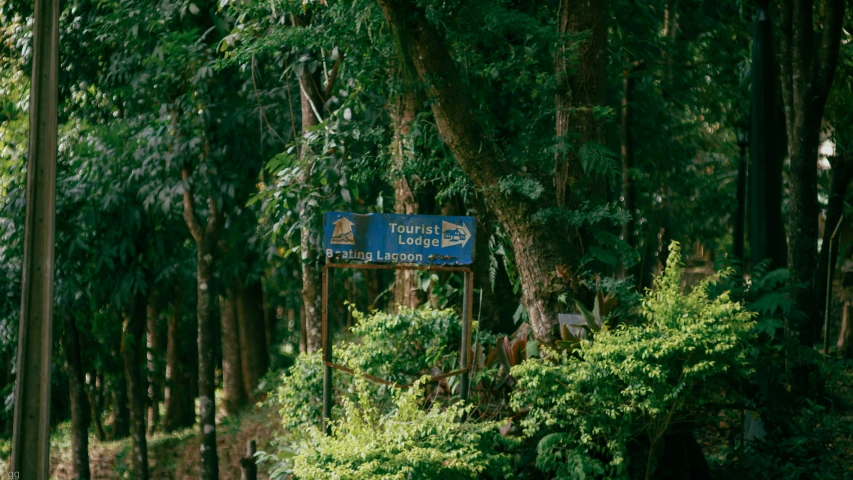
{"points": [[453, 234]]}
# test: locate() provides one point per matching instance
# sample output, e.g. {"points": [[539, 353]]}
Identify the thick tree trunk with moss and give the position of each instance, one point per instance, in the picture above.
{"points": [[79, 406], [253, 352], [407, 290], [539, 251], [132, 342], [808, 64], [232, 367]]}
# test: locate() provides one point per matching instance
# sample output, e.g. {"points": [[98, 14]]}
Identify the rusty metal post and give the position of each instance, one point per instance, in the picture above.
{"points": [[828, 307], [467, 297], [31, 425], [327, 355]]}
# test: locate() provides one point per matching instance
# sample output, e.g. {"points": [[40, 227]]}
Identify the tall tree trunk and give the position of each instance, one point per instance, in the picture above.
{"points": [[581, 80], [121, 414], [313, 95], [94, 389], [232, 369], [206, 237], [131, 348], [155, 372], [766, 228], [311, 100], [79, 405], [269, 319], [176, 396], [807, 75], [206, 365], [538, 251], [407, 290], [626, 154], [254, 356], [312, 105]]}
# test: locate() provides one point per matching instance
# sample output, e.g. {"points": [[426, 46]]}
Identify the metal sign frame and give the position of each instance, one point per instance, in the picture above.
{"points": [[465, 348]]}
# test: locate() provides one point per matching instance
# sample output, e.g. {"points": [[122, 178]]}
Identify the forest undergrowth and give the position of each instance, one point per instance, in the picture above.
{"points": [[171, 456]]}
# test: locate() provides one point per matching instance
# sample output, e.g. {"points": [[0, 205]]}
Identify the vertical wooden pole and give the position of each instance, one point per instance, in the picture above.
{"points": [[327, 355], [468, 293], [30, 433]]}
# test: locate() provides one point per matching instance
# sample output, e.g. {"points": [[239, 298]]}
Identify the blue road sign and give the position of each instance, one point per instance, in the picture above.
{"points": [[392, 238]]}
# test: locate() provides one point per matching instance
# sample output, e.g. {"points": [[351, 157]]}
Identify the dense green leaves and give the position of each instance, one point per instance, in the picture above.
{"points": [[636, 382]]}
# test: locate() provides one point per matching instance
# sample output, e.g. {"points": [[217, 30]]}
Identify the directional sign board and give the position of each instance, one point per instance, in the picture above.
{"points": [[391, 238]]}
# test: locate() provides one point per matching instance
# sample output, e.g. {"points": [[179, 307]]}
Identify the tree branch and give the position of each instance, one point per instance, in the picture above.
{"points": [[476, 153], [330, 81]]}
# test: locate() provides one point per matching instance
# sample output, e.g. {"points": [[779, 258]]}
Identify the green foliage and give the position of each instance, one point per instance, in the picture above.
{"points": [[388, 424], [398, 348], [811, 445], [299, 395], [635, 381], [405, 443], [401, 346], [597, 159]]}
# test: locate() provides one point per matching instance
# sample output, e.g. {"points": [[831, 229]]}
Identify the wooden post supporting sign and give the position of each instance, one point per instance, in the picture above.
{"points": [[400, 242]]}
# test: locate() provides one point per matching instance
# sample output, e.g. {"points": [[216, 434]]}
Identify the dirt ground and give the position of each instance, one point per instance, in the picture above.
{"points": [[175, 456]]}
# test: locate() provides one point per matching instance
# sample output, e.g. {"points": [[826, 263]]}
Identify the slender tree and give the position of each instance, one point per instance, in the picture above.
{"points": [[402, 109], [232, 369], [154, 354], [132, 352], [79, 403], [809, 58], [206, 235]]}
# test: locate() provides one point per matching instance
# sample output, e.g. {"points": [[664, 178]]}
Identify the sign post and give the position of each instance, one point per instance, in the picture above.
{"points": [[400, 242]]}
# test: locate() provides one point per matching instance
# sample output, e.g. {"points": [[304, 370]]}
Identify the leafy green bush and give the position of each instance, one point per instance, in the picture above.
{"points": [[408, 443], [300, 396], [613, 400], [396, 347], [402, 346]]}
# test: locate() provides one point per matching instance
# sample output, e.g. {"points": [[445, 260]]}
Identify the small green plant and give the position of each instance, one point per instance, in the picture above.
{"points": [[408, 443], [612, 401]]}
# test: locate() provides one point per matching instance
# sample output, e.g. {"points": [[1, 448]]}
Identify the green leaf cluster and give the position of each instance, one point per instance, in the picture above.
{"points": [[398, 348], [405, 443], [595, 408]]}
